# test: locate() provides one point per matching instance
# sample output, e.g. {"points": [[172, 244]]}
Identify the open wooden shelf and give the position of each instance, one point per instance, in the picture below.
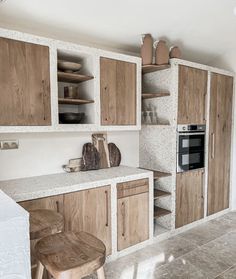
{"points": [[160, 174], [74, 101], [154, 68], [72, 78], [161, 193], [160, 212], [155, 95]]}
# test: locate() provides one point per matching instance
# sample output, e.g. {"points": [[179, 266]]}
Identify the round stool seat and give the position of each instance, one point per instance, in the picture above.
{"points": [[44, 222], [71, 255]]}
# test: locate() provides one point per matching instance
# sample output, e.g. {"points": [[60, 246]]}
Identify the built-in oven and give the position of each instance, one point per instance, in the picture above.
{"points": [[190, 147]]}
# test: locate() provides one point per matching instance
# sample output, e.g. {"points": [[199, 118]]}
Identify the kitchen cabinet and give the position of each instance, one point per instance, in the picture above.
{"points": [[90, 211], [118, 92], [25, 84], [192, 95], [132, 213], [189, 197], [220, 122], [52, 203]]}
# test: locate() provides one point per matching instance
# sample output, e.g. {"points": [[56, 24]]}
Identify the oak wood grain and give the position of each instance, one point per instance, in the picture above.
{"points": [[118, 92], [189, 197], [132, 220], [192, 95], [90, 211], [25, 84], [130, 188], [219, 142], [71, 255]]}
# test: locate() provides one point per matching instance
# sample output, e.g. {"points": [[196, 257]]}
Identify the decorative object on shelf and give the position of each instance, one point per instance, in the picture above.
{"points": [[73, 166], [114, 155], [147, 49], [175, 52], [161, 52], [68, 67], [71, 92], [90, 157], [71, 117], [100, 142]]}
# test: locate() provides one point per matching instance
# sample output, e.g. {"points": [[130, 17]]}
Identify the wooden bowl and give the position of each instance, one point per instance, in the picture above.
{"points": [[68, 67], [71, 117]]}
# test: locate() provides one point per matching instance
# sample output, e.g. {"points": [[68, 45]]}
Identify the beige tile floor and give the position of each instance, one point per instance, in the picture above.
{"points": [[207, 251]]}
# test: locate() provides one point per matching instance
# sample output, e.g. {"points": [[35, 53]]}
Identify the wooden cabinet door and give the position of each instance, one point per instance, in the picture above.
{"points": [[219, 142], [90, 211], [53, 203], [132, 220], [118, 92], [192, 95], [189, 197], [25, 84]]}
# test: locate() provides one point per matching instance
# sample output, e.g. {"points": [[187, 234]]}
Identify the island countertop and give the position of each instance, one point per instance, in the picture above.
{"points": [[55, 184]]}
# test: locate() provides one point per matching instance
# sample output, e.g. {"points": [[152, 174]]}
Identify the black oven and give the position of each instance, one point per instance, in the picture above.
{"points": [[190, 147]]}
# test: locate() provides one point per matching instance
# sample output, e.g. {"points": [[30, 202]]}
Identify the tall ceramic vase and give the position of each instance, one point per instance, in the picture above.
{"points": [[146, 49], [161, 52]]}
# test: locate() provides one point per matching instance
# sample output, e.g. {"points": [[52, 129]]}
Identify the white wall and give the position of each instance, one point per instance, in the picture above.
{"points": [[228, 61], [45, 153]]}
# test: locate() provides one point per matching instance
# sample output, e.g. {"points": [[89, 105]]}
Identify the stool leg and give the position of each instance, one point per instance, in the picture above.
{"points": [[39, 271], [100, 273]]}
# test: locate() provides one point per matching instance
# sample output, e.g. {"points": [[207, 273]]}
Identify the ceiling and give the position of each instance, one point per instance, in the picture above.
{"points": [[203, 29]]}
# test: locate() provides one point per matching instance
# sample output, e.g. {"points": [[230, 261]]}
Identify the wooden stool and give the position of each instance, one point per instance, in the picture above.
{"points": [[44, 222], [71, 255]]}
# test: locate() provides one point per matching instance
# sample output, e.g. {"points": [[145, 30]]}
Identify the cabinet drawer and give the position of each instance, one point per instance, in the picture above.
{"points": [[131, 188]]}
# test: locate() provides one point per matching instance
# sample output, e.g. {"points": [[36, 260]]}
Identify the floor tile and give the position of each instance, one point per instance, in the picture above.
{"points": [[209, 264], [228, 274]]}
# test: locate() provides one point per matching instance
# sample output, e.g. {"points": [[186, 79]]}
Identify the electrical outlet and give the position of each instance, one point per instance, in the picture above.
{"points": [[9, 144]]}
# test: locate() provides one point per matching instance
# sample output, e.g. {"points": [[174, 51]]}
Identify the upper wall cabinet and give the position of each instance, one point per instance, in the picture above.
{"points": [[118, 92], [219, 142], [192, 95], [25, 84]]}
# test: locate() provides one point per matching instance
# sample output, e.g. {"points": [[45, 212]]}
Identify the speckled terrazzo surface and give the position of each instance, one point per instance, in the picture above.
{"points": [[54, 184]]}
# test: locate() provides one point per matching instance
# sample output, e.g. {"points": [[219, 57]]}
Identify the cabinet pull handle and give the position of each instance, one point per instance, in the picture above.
{"points": [[57, 205], [107, 217], [204, 108], [123, 215], [212, 145], [203, 188]]}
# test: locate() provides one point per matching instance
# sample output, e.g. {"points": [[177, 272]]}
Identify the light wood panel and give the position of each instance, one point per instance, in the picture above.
{"points": [[192, 95], [189, 197], [25, 84], [132, 220], [90, 211], [118, 92], [131, 188], [71, 255], [219, 142]]}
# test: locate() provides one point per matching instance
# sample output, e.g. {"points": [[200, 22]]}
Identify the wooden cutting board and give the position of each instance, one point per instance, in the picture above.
{"points": [[90, 157], [114, 155], [100, 142]]}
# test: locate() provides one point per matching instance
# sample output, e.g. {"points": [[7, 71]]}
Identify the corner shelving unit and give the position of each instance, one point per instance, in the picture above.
{"points": [[158, 141]]}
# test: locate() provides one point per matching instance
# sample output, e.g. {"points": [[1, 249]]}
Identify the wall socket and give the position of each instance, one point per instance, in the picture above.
{"points": [[9, 144]]}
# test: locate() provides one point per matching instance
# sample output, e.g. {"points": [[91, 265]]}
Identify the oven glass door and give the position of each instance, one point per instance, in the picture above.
{"points": [[190, 161], [191, 142]]}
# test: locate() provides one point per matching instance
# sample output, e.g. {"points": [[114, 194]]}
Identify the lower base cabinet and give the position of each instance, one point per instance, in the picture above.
{"points": [[189, 197], [132, 213], [90, 211]]}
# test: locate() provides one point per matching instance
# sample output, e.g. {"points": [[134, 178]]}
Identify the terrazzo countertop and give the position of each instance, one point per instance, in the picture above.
{"points": [[55, 184]]}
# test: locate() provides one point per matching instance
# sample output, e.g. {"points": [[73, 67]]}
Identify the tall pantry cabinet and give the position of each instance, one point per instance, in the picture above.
{"points": [[220, 126]]}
